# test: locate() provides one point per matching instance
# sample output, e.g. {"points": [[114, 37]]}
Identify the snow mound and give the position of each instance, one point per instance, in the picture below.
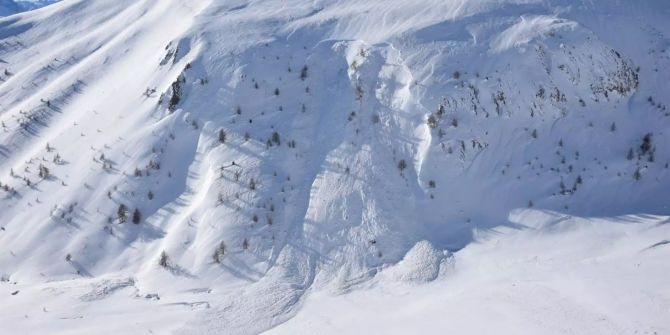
{"points": [[422, 263]]}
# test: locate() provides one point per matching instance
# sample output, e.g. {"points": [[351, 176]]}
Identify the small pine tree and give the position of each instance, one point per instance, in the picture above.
{"points": [[222, 136], [219, 252], [252, 184], [150, 195], [43, 172], [303, 73], [275, 138], [137, 216], [122, 213], [613, 127], [630, 154], [163, 259], [402, 165], [646, 144], [534, 133], [245, 244], [276, 91], [637, 175]]}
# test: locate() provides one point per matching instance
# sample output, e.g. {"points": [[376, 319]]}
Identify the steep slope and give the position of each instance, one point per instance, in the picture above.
{"points": [[10, 7], [270, 148]]}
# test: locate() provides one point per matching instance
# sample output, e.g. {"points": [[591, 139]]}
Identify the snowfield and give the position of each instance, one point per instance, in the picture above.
{"points": [[551, 274], [560, 275], [237, 167]]}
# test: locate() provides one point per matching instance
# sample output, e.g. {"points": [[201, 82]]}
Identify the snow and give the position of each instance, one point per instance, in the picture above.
{"points": [[527, 29], [552, 274], [10, 7], [376, 153], [422, 263], [560, 275]]}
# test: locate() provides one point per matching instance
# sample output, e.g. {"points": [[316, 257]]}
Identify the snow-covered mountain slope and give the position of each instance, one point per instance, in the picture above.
{"points": [[270, 148], [10, 7]]}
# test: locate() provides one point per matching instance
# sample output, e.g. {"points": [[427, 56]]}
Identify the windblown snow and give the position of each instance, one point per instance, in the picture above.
{"points": [[236, 167]]}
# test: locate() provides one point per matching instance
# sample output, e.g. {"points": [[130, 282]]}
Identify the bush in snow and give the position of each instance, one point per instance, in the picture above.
{"points": [[275, 138], [122, 213], [163, 259], [402, 165], [219, 252], [137, 216], [43, 172], [303, 73]]}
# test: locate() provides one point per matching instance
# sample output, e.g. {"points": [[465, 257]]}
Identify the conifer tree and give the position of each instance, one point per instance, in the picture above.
{"points": [[122, 213], [164, 259], [137, 216]]}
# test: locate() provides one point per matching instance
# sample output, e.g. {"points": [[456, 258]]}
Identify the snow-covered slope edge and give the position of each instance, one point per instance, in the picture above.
{"points": [[349, 139]]}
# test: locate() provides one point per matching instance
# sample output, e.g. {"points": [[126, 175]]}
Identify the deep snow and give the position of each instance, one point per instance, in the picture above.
{"points": [[366, 145]]}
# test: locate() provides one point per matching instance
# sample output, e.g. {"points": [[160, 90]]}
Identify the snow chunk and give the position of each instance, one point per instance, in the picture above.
{"points": [[420, 264], [527, 29]]}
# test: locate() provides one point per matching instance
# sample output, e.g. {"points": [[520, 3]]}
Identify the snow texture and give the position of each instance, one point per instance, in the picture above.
{"points": [[208, 167]]}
